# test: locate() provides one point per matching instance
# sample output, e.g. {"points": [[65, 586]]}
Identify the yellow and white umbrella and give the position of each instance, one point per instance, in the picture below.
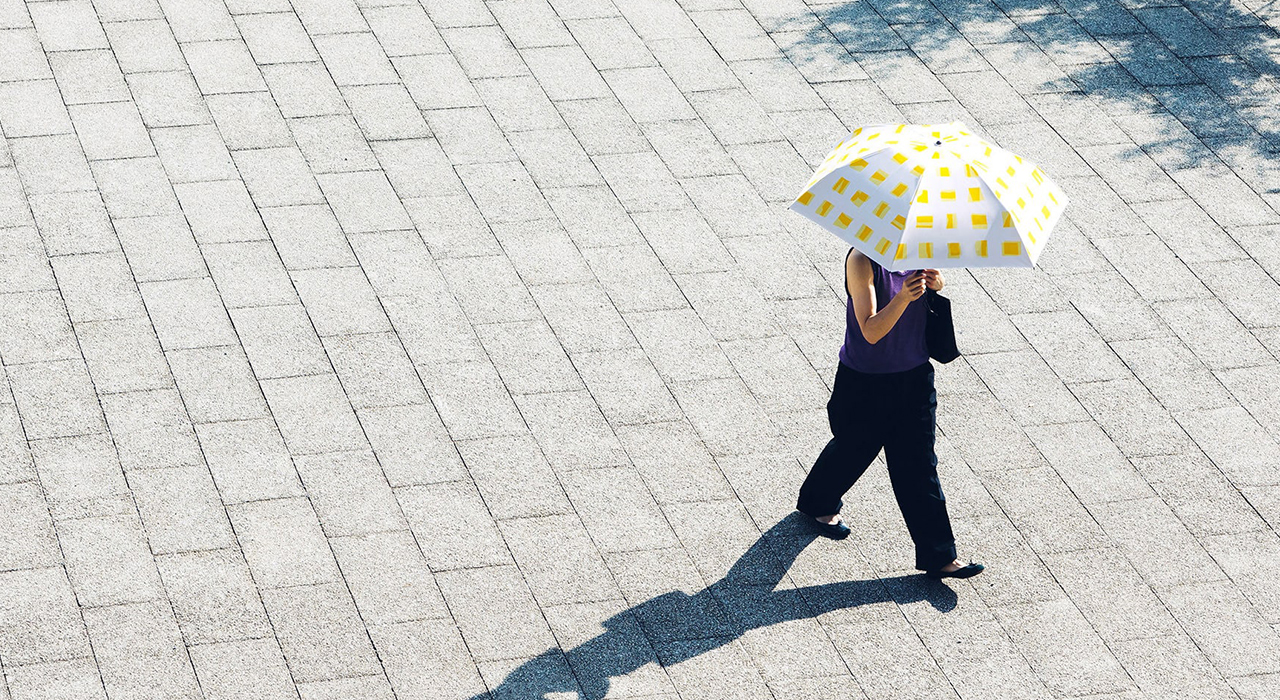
{"points": [[912, 196]]}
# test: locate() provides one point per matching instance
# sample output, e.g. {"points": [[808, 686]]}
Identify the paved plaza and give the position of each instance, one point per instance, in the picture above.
{"points": [[466, 350]]}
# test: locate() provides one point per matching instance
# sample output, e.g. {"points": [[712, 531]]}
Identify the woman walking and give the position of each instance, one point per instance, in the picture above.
{"points": [[884, 398]]}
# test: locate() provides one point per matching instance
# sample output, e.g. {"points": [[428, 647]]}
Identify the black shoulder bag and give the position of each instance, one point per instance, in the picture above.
{"points": [[939, 331]]}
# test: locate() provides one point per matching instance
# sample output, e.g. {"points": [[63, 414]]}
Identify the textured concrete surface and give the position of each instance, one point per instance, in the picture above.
{"points": [[362, 349]]}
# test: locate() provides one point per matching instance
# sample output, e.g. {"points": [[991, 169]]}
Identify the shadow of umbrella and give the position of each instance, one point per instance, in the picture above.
{"points": [[688, 625]]}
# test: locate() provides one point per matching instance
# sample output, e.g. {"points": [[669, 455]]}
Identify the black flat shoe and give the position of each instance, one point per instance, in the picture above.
{"points": [[836, 531], [968, 571]]}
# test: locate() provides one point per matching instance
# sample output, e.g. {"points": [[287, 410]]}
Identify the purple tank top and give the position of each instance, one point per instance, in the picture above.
{"points": [[903, 347]]}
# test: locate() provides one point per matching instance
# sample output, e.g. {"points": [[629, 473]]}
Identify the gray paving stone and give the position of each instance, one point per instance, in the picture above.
{"points": [[1074, 351], [217, 384], [1204, 609], [504, 193], [1171, 665], [411, 444], [276, 177], [1087, 665], [592, 216], [160, 248], [571, 430], [24, 100], [248, 120], [252, 668], [1173, 374], [302, 89], [97, 286], [1147, 59], [151, 430], [1215, 429], [314, 414], [36, 328], [374, 370], [1089, 463], [1224, 196], [25, 267], [484, 51], [436, 82], [1244, 287], [495, 612], [276, 37], [332, 143], [617, 509], [453, 526], [181, 510], [442, 335], [863, 638], [199, 21], [1137, 423], [542, 253], [534, 24], [679, 345], [222, 67], [23, 53], [820, 61], [1238, 554], [1044, 509], [576, 574], [404, 30], [529, 357], [340, 301], [626, 386], [419, 658], [280, 341], [1049, 402], [320, 632], [1254, 686], [108, 561], [55, 399], [388, 578], [49, 164], [1156, 543], [171, 99], [683, 242], [1215, 335], [29, 539], [40, 622], [330, 16], [75, 678], [139, 651], [518, 103], [349, 493], [282, 542], [1189, 232], [307, 236], [249, 273], [187, 314], [81, 477], [220, 212], [214, 599], [980, 429]]}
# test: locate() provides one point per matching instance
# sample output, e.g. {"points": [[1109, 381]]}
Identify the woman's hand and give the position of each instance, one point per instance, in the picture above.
{"points": [[933, 279], [912, 288]]}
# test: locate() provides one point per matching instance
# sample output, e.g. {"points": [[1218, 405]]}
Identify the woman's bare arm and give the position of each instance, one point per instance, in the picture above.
{"points": [[876, 323]]}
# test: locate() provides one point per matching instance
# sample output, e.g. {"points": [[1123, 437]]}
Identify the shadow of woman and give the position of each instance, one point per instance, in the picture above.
{"points": [[687, 625]]}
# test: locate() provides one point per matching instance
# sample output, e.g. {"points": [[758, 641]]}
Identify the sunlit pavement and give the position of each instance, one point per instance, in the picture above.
{"points": [[366, 350]]}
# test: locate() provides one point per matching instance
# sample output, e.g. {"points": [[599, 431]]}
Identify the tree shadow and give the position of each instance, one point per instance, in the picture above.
{"points": [[687, 625], [1194, 84]]}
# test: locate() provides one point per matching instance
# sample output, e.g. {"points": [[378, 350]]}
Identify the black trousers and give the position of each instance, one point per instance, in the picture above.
{"points": [[896, 412]]}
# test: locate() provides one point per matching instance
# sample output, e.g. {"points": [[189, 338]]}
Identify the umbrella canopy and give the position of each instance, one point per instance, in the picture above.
{"points": [[912, 196]]}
